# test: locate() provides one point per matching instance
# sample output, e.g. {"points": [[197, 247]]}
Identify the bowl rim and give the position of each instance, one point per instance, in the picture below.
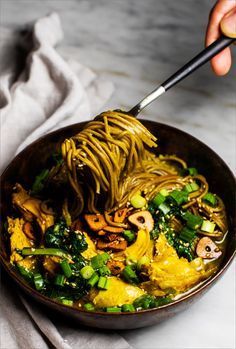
{"points": [[15, 277]]}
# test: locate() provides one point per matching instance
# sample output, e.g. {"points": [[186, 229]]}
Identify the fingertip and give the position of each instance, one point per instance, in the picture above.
{"points": [[221, 63]]}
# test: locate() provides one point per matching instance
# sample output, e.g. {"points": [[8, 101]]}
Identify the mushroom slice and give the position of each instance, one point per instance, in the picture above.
{"points": [[95, 222], [142, 220], [206, 248]]}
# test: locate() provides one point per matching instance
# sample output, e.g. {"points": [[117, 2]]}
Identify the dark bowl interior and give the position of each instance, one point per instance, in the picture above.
{"points": [[171, 141]]}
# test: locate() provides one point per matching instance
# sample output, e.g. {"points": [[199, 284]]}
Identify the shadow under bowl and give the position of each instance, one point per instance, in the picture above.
{"points": [[32, 159]]}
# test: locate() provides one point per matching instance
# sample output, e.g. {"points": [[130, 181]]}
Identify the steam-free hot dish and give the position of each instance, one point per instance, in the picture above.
{"points": [[112, 225]]}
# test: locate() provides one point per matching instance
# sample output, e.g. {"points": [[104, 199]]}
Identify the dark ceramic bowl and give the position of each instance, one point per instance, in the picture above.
{"points": [[171, 141]]}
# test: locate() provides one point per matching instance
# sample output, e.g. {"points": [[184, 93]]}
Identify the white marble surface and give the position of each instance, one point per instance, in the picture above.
{"points": [[137, 45]]}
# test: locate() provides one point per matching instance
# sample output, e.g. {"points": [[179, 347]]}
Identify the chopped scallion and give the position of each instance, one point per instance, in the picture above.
{"points": [[65, 266], [164, 208], [38, 281], [103, 283], [129, 275], [89, 307], [192, 221], [210, 199], [129, 235], [180, 196], [208, 226], [87, 272], [68, 302], [138, 201], [113, 310], [93, 280], [158, 199], [191, 187], [103, 271], [59, 280], [187, 235], [128, 308]]}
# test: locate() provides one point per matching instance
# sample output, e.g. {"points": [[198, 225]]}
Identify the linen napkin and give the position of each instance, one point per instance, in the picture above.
{"points": [[40, 92]]}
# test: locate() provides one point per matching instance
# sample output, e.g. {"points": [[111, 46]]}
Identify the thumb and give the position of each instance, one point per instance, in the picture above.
{"points": [[228, 24]]}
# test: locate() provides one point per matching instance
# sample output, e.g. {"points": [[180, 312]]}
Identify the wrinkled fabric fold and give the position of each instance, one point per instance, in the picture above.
{"points": [[39, 93]]}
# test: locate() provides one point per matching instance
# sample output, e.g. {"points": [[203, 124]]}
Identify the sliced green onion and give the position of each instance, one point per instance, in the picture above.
{"points": [[68, 302], [210, 199], [164, 192], [59, 280], [158, 199], [27, 274], [129, 235], [192, 171], [128, 308], [103, 271], [138, 201], [93, 280], [38, 281], [191, 187], [179, 196], [86, 272], [89, 307], [103, 283], [113, 310], [164, 208], [65, 266], [187, 235], [162, 301], [192, 221], [144, 260], [100, 260], [44, 251], [208, 226], [129, 275]]}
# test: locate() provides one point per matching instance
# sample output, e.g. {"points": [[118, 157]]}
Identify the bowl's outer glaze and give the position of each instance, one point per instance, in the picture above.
{"points": [[171, 141]]}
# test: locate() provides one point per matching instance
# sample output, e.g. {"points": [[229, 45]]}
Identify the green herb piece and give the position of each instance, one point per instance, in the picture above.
{"points": [[144, 302], [187, 235], [160, 301], [208, 226], [158, 199], [210, 199], [164, 192], [164, 208], [138, 201], [68, 302], [103, 271], [113, 310], [59, 280], [87, 272], [27, 274], [44, 251], [103, 283], [89, 307], [144, 260], [192, 221], [179, 196], [93, 280], [129, 235], [38, 281], [129, 275], [128, 308], [65, 266], [191, 187], [99, 260]]}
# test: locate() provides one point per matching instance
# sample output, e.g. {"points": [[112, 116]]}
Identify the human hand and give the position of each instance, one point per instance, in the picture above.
{"points": [[222, 20]]}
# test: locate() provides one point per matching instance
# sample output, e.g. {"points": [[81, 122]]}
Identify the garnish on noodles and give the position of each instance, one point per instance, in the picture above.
{"points": [[114, 226]]}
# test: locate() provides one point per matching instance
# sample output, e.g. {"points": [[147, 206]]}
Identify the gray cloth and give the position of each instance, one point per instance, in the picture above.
{"points": [[41, 93]]}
